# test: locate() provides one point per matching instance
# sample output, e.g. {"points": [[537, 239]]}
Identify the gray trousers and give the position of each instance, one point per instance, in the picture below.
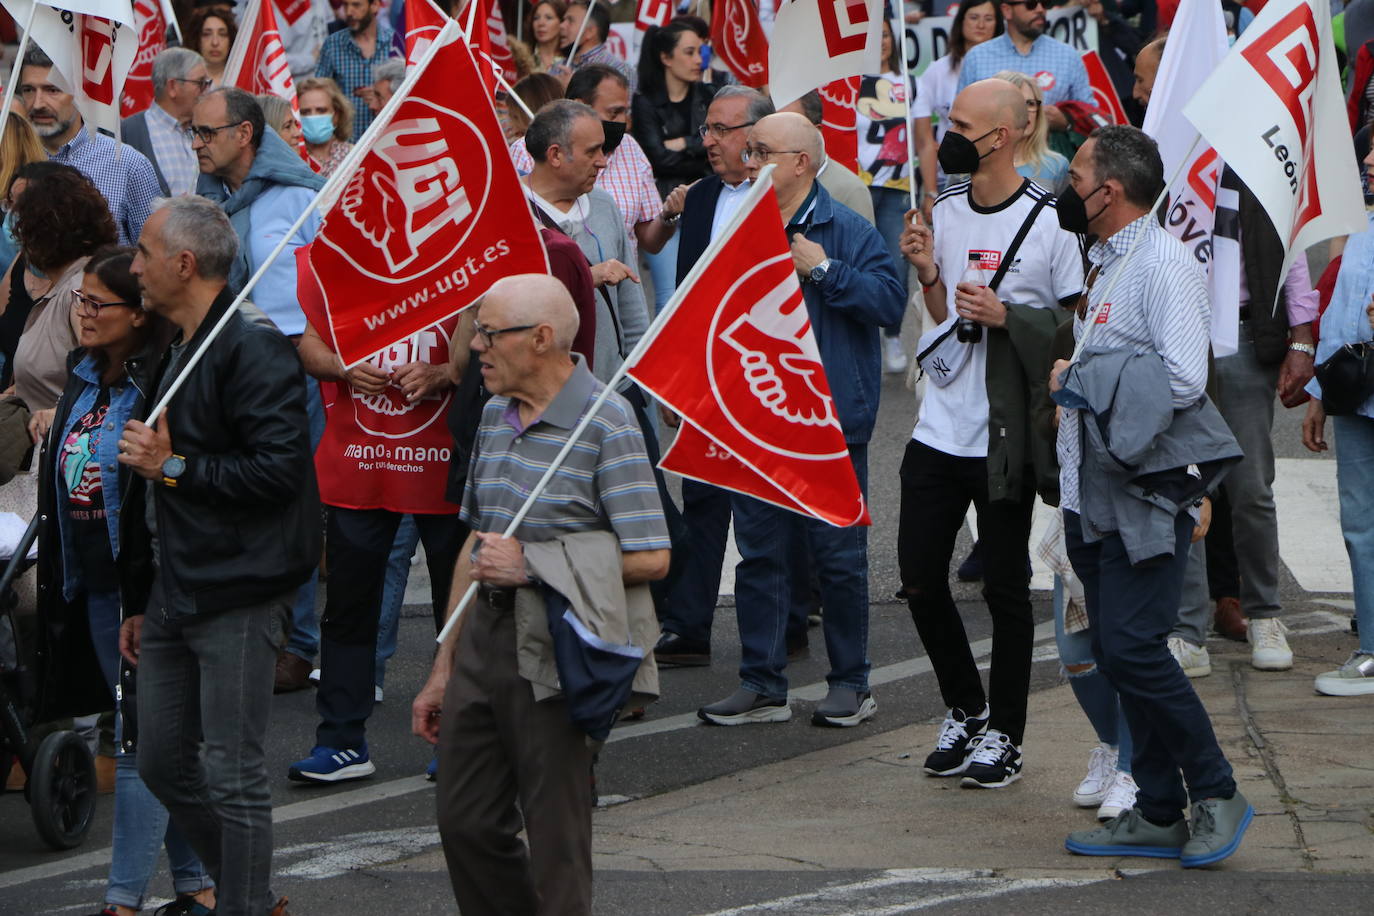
{"points": [[208, 678], [1245, 397]]}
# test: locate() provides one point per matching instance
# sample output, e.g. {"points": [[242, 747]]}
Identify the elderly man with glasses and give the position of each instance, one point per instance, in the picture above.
{"points": [[851, 290], [263, 185], [179, 78]]}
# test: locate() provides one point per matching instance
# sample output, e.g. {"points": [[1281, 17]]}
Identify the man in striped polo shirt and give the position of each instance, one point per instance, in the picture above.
{"points": [[1132, 468], [503, 737]]}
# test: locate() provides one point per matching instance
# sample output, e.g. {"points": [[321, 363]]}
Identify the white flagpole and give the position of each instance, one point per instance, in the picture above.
{"points": [[763, 184], [519, 22], [472, 17], [342, 174], [572, 52], [18, 66], [512, 94], [170, 15], [909, 92]]}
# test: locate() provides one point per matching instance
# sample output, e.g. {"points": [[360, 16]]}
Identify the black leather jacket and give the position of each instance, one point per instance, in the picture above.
{"points": [[656, 120], [242, 525]]}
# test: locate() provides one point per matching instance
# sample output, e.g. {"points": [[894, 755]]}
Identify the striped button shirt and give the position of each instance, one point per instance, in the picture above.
{"points": [[122, 174], [1056, 66], [1159, 304], [343, 62], [172, 147], [605, 484]]}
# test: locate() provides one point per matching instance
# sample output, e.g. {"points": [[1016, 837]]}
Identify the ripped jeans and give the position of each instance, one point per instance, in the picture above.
{"points": [[1094, 693]]}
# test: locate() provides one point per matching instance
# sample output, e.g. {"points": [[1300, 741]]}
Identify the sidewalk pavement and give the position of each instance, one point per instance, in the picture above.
{"points": [[1301, 759]]}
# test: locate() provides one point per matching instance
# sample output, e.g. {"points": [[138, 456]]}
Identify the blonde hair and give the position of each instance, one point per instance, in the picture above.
{"points": [[343, 108], [19, 146], [1034, 147]]}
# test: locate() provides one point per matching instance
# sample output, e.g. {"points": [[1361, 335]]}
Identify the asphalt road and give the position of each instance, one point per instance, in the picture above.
{"points": [[358, 847]]}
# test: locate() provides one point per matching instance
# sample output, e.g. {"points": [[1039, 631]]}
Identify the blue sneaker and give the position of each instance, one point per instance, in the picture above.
{"points": [[432, 771], [325, 764]]}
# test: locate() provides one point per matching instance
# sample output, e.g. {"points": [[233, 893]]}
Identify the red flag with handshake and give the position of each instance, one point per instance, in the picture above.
{"points": [[150, 24], [432, 215], [737, 359], [737, 38]]}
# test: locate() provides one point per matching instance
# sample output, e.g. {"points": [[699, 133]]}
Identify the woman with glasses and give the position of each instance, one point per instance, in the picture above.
{"points": [[976, 21], [93, 559], [1034, 158], [668, 119]]}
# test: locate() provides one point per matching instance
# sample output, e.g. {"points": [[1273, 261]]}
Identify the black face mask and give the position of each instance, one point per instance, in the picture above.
{"points": [[1073, 210], [958, 154], [615, 132]]}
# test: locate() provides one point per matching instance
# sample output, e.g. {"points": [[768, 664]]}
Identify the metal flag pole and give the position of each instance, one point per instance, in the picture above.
{"points": [[763, 184], [577, 40], [326, 193], [908, 93], [18, 65]]}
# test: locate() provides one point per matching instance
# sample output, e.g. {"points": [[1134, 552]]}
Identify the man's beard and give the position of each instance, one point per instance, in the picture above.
{"points": [[362, 24], [56, 129], [1032, 31]]}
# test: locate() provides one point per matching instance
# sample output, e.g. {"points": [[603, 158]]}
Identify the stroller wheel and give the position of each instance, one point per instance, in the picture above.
{"points": [[62, 789]]}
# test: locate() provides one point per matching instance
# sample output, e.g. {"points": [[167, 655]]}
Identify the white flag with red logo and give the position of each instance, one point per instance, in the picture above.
{"points": [[150, 24], [738, 40], [1273, 111], [432, 216], [735, 356], [1104, 90], [424, 21], [1195, 49], [840, 121], [92, 44], [650, 13], [257, 63], [819, 41]]}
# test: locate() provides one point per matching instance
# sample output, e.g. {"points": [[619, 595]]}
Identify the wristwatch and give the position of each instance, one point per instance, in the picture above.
{"points": [[818, 272], [172, 469], [1303, 348]]}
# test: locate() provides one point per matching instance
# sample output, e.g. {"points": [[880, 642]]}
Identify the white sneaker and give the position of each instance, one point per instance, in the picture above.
{"points": [[1120, 797], [1268, 646], [376, 694], [1353, 679], [1101, 770], [1194, 660], [314, 675], [894, 357]]}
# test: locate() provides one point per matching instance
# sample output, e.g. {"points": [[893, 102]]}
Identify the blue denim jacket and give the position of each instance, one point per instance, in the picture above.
{"points": [[861, 293], [124, 395], [1344, 321]]}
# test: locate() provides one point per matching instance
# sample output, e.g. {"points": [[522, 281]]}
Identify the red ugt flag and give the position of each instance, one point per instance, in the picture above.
{"points": [[1104, 93], [759, 419], [424, 21], [737, 36], [839, 121], [150, 24], [257, 63], [432, 217]]}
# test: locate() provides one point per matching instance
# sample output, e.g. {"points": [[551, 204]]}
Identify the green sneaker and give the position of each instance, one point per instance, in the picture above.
{"points": [[1217, 826], [1129, 834]]}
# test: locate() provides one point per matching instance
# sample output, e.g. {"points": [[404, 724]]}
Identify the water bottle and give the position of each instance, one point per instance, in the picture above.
{"points": [[966, 330]]}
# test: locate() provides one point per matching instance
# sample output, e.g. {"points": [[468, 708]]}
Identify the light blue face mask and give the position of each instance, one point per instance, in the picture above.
{"points": [[317, 128]]}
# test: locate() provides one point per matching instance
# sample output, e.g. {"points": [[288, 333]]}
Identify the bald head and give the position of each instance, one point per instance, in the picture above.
{"points": [[788, 130], [532, 299], [998, 103], [1146, 69]]}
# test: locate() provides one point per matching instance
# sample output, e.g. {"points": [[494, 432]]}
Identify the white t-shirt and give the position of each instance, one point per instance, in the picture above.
{"points": [[1047, 268], [935, 91]]}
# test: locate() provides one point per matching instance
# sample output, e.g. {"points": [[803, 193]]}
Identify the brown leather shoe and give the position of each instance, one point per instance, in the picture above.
{"points": [[104, 774], [279, 909], [1228, 620], [293, 673]]}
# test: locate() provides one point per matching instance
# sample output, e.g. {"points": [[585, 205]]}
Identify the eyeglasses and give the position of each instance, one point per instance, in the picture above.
{"points": [[762, 155], [85, 303], [1032, 104], [1028, 4], [206, 134], [720, 130], [204, 82], [489, 335]]}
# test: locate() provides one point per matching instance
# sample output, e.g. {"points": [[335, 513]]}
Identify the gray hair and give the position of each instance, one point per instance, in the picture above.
{"points": [[274, 110], [760, 106], [172, 64], [1130, 156], [199, 226], [553, 126], [812, 108], [393, 70]]}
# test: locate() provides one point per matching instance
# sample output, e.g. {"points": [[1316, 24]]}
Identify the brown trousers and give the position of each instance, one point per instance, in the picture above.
{"points": [[497, 747]]}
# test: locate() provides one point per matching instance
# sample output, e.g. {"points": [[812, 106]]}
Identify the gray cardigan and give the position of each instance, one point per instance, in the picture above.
{"points": [[1143, 461]]}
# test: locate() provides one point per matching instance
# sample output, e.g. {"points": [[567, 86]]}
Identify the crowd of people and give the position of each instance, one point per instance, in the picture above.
{"points": [[188, 546]]}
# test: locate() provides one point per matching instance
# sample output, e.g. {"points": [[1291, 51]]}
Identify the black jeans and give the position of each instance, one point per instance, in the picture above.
{"points": [[936, 491], [359, 546], [1131, 610]]}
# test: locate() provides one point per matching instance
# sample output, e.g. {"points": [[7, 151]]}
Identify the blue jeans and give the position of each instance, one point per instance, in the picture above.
{"points": [[1355, 483], [1095, 694], [663, 271], [889, 211], [305, 623], [1131, 609], [204, 700], [141, 825], [394, 592], [768, 539]]}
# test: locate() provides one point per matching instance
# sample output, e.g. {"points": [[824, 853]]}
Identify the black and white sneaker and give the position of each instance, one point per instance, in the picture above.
{"points": [[950, 756], [744, 707], [994, 763], [845, 708]]}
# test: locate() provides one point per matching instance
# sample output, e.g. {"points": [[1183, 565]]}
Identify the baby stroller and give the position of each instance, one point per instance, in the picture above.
{"points": [[61, 787]]}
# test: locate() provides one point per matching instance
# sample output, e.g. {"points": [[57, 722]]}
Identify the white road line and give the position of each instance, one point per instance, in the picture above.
{"points": [[999, 889]]}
